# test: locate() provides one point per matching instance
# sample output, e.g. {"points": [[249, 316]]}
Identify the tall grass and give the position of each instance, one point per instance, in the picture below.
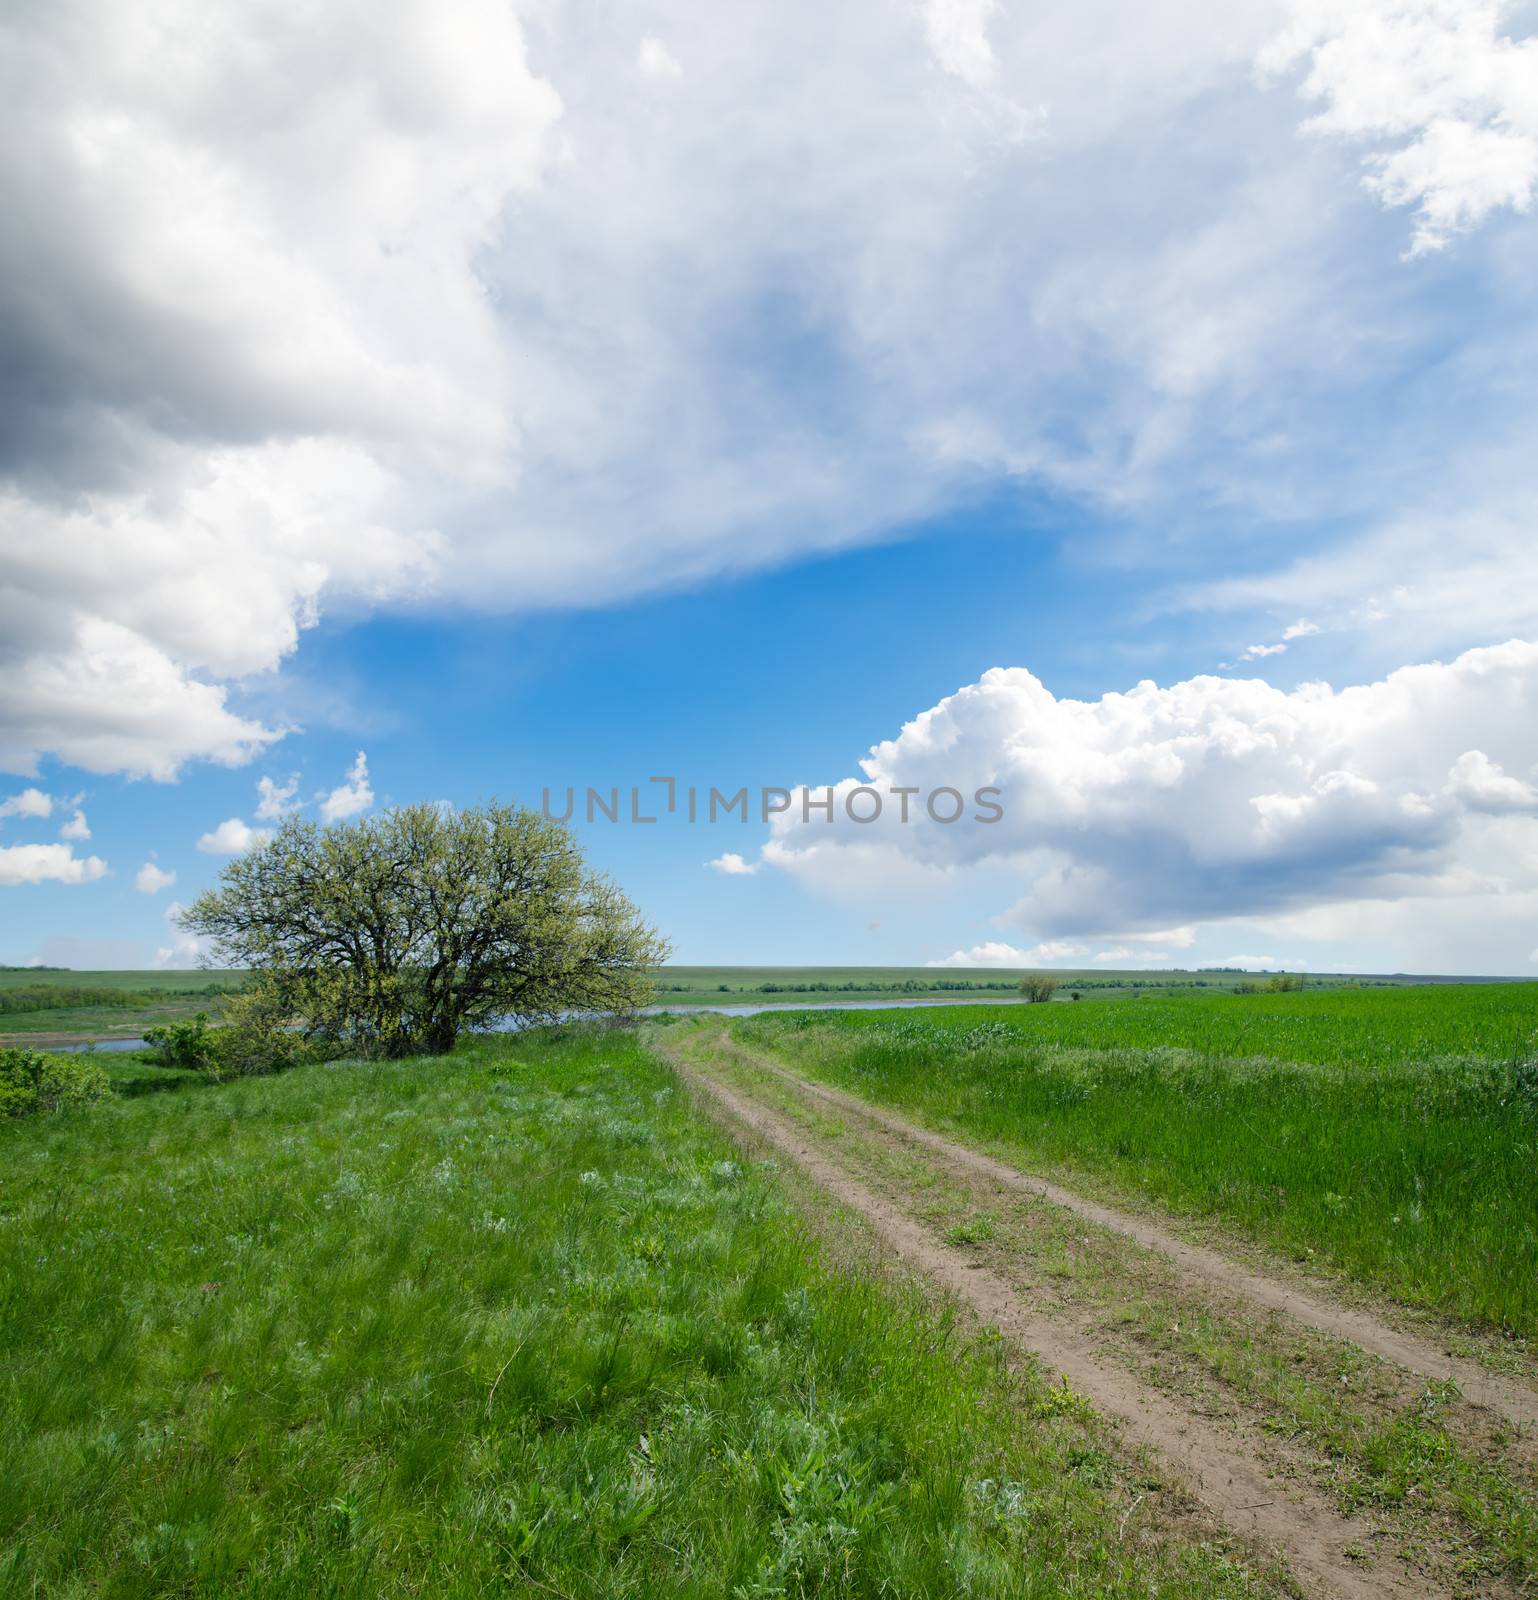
{"points": [[54, 996], [514, 1321], [1391, 1134]]}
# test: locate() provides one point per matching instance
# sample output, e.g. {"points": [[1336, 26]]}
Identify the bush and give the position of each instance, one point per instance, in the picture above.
{"points": [[31, 1081], [191, 1045], [1039, 988], [1282, 983], [258, 1037]]}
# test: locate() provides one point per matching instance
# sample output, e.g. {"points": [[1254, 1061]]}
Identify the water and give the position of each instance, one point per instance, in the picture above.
{"points": [[98, 1046], [512, 1024]]}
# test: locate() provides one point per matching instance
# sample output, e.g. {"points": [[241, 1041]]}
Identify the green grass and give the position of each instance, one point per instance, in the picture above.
{"points": [[685, 986], [516, 1320], [55, 1005], [1389, 1134], [16, 998]]}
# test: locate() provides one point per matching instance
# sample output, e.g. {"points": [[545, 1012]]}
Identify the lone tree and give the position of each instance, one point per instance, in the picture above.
{"points": [[1039, 987], [396, 933]]}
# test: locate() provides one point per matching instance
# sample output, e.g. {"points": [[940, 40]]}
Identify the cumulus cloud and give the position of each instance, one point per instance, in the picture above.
{"points": [[655, 60], [992, 953], [1437, 81], [47, 863], [232, 837], [223, 372], [1481, 785], [276, 800], [1161, 808], [77, 828], [183, 949], [733, 865], [150, 879], [351, 797], [513, 303], [958, 38], [29, 803]]}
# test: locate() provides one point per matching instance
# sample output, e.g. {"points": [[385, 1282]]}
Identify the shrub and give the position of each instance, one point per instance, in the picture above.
{"points": [[259, 1036], [192, 1045], [1038, 988], [32, 1081]]}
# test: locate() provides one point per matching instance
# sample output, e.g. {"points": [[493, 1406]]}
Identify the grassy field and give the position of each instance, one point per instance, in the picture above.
{"points": [[515, 1320], [49, 1005], [683, 986], [1391, 1134]]}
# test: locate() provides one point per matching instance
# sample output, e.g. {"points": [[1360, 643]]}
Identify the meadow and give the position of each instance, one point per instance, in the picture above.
{"points": [[514, 1319], [1390, 1135], [680, 986], [47, 1005]]}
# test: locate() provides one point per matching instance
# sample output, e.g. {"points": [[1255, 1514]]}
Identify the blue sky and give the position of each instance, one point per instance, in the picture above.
{"points": [[646, 394]]}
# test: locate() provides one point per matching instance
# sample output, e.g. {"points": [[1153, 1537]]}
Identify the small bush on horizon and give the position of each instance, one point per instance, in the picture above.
{"points": [[1039, 987]]}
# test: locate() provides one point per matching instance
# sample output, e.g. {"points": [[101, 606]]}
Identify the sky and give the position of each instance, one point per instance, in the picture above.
{"points": [[1117, 416]]}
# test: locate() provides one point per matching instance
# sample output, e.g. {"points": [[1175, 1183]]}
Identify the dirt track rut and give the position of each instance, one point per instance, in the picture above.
{"points": [[1320, 1548], [1478, 1385]]}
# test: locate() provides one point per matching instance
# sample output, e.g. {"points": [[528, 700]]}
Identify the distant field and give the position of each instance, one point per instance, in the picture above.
{"points": [[123, 1004], [682, 986], [54, 1006], [1391, 1133], [519, 1321]]}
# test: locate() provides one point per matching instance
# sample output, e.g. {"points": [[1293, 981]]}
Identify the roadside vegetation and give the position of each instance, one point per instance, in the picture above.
{"points": [[1391, 1135], [512, 1318], [1431, 1483]]}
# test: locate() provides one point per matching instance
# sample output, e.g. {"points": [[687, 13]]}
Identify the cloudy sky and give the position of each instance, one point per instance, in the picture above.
{"points": [[1126, 407]]}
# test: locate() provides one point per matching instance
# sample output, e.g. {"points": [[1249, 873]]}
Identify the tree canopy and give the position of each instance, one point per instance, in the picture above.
{"points": [[396, 933]]}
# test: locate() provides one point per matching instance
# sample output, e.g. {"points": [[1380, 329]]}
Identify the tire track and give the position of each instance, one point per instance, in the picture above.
{"points": [[1288, 1517], [1478, 1385]]}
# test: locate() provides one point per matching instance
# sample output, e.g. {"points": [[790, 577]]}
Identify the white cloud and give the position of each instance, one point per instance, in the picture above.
{"points": [[1301, 629], [809, 302], [150, 879], [233, 837], [655, 60], [350, 798], [733, 865], [29, 803], [76, 828], [1450, 573], [1255, 652], [185, 949], [1439, 81], [958, 38], [1175, 938], [1159, 809], [242, 383], [1481, 785], [47, 863], [1262, 963], [276, 800], [994, 954]]}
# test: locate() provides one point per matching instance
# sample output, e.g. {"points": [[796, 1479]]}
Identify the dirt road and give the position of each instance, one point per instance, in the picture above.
{"points": [[1245, 1479]]}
